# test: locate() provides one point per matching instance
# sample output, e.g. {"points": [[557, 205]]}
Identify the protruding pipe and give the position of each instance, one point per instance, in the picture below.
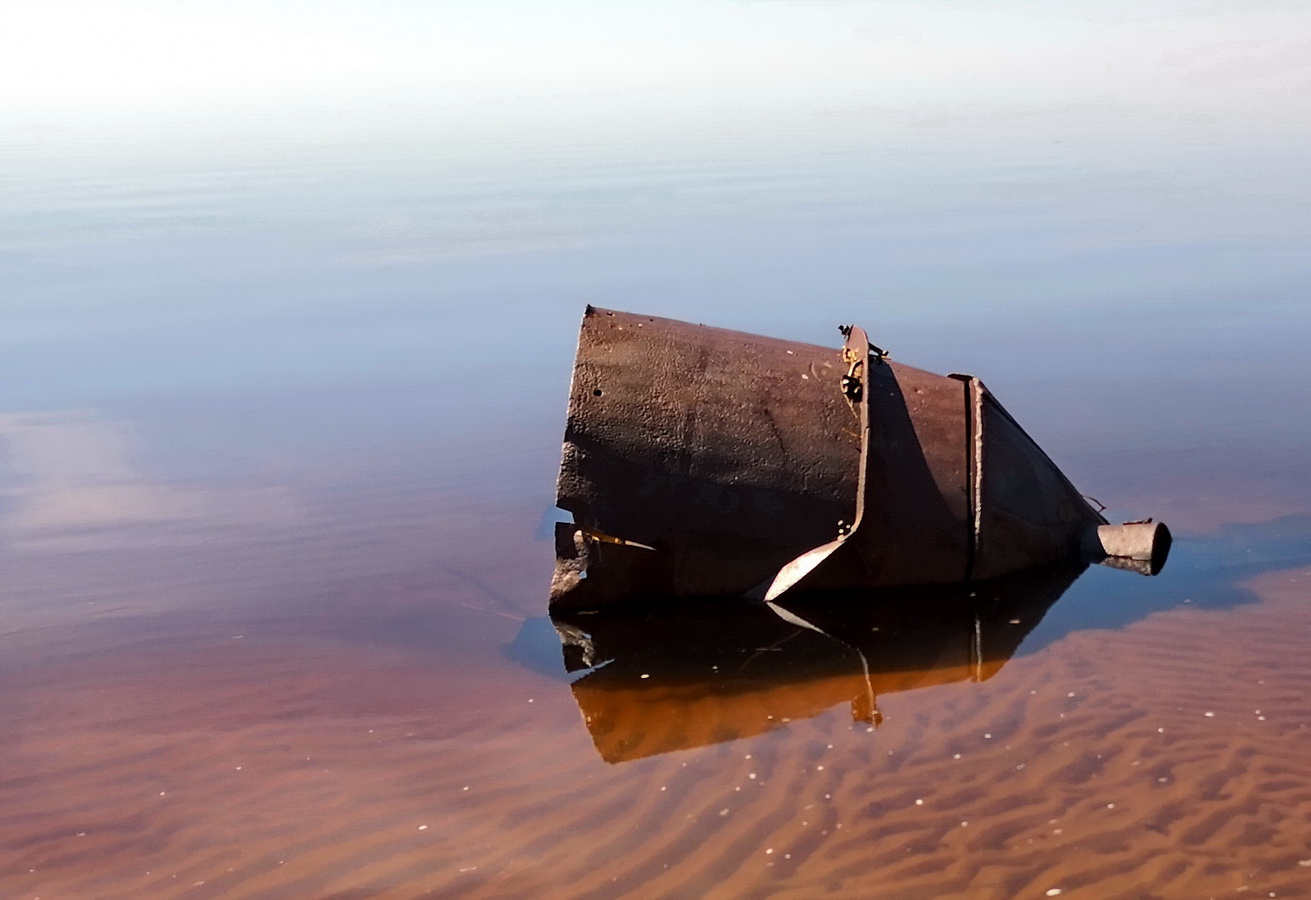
{"points": [[1137, 546]]}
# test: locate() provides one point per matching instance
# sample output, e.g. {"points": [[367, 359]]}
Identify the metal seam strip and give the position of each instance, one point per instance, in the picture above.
{"points": [[974, 467], [976, 474]]}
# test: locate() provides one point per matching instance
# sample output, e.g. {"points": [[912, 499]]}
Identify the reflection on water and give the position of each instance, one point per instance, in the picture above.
{"points": [[662, 678], [689, 675], [73, 486]]}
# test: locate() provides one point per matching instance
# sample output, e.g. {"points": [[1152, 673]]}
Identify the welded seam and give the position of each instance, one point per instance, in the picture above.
{"points": [[976, 390]]}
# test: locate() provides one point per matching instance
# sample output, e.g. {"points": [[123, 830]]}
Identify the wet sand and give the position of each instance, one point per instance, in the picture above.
{"points": [[1166, 759]]}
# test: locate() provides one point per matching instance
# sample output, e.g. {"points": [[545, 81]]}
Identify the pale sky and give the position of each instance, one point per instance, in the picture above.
{"points": [[675, 65]]}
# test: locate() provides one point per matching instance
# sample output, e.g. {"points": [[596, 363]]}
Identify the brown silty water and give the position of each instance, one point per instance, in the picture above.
{"points": [[314, 700]]}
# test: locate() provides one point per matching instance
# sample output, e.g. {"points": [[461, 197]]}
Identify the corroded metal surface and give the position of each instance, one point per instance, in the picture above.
{"points": [[704, 462], [727, 452]]}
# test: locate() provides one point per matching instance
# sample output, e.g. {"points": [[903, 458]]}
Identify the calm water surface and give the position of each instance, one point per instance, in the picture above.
{"points": [[279, 439]]}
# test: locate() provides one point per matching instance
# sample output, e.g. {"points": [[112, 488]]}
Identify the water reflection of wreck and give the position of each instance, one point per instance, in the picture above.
{"points": [[760, 529], [679, 676]]}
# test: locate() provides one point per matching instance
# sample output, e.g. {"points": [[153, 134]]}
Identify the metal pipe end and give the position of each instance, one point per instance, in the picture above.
{"points": [[1141, 547]]}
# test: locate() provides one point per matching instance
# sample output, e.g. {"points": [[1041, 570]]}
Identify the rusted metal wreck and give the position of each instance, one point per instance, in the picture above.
{"points": [[704, 462]]}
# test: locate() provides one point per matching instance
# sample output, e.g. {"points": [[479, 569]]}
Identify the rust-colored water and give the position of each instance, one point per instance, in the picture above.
{"points": [[311, 699]]}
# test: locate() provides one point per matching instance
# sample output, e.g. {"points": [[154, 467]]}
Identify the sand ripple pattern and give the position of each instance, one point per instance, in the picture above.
{"points": [[1171, 759]]}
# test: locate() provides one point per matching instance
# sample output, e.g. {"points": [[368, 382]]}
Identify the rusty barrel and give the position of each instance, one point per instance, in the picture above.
{"points": [[700, 461]]}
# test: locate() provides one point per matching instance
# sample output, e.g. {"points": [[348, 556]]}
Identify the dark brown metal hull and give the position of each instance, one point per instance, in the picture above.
{"points": [[701, 462]]}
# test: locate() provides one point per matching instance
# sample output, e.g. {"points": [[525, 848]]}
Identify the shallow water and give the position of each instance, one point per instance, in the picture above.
{"points": [[280, 436]]}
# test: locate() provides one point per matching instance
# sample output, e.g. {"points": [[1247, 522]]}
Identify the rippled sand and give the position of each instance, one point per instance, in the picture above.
{"points": [[1170, 759]]}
